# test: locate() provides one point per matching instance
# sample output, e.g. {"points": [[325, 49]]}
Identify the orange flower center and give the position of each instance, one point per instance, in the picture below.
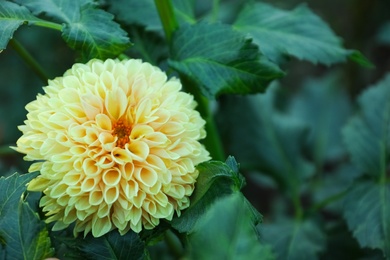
{"points": [[122, 131]]}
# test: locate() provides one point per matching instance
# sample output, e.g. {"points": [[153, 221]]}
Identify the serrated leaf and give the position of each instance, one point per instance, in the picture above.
{"points": [[323, 105], [220, 60], [23, 235], [299, 33], [11, 190], [226, 231], [87, 29], [113, 246], [95, 34], [367, 212], [294, 240], [263, 139], [11, 17], [216, 179], [367, 135]]}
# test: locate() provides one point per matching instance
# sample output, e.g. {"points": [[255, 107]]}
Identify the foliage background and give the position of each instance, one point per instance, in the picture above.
{"points": [[308, 111]]}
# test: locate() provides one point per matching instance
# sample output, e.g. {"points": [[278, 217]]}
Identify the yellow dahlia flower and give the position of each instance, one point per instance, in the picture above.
{"points": [[116, 144]]}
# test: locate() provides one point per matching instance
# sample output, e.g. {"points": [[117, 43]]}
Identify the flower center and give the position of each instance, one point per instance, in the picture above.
{"points": [[122, 131]]}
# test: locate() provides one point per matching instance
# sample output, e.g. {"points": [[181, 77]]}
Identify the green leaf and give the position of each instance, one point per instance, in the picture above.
{"points": [[299, 33], [58, 10], [12, 16], [226, 231], [367, 134], [216, 179], [95, 34], [367, 212], [259, 141], [323, 105], [220, 60], [294, 239], [144, 13], [113, 246], [22, 234], [87, 29]]}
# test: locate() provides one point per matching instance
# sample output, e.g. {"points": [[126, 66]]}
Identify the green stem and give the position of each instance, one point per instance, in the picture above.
{"points": [[173, 244], [167, 17], [212, 141], [298, 207], [215, 10], [317, 207], [47, 24], [26, 56]]}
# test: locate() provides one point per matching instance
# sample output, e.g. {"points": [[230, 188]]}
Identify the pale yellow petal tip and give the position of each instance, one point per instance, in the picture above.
{"points": [[116, 144]]}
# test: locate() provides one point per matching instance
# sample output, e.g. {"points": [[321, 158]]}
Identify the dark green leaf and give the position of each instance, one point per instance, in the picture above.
{"points": [[133, 12], [299, 33], [113, 246], [263, 139], [86, 28], [11, 190], [216, 179], [144, 13], [367, 134], [220, 60], [367, 212], [226, 231], [23, 235], [11, 17], [294, 239], [59, 10], [95, 34], [325, 107]]}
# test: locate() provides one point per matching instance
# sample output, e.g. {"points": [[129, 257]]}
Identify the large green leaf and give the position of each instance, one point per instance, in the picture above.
{"points": [[367, 134], [86, 28], [263, 139], [220, 60], [22, 234], [367, 212], [299, 33], [216, 179], [292, 240], [11, 17], [226, 231]]}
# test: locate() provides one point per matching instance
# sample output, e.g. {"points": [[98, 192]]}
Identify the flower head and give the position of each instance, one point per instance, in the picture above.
{"points": [[116, 144]]}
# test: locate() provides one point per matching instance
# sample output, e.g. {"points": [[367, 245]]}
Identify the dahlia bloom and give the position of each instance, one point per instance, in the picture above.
{"points": [[116, 144]]}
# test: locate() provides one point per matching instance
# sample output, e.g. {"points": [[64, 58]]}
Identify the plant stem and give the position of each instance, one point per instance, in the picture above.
{"points": [[47, 24], [215, 10], [26, 56], [173, 244], [298, 207], [167, 17], [212, 141], [327, 201]]}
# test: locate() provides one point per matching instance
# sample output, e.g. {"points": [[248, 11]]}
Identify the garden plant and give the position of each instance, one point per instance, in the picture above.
{"points": [[196, 129]]}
